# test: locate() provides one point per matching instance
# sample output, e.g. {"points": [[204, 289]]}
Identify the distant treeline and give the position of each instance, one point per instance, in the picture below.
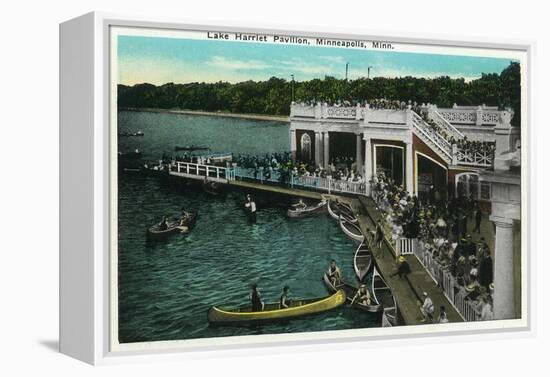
{"points": [[273, 97]]}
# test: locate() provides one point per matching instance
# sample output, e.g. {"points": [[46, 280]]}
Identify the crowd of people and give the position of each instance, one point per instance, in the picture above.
{"points": [[474, 146], [281, 167], [441, 226]]}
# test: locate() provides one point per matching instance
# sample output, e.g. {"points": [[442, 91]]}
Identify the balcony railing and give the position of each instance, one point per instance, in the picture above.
{"points": [[473, 158]]}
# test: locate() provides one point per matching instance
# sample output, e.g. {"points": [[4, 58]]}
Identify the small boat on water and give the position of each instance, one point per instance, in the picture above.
{"points": [[192, 147], [351, 230], [337, 209], [350, 291], [384, 295], [301, 211], [227, 315], [362, 261], [174, 226], [128, 134], [135, 155]]}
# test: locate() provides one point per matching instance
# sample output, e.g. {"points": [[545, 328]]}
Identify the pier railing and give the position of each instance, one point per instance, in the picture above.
{"points": [[200, 170], [406, 246], [316, 183], [455, 293]]}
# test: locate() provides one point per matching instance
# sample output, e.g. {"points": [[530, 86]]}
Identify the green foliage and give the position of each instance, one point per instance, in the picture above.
{"points": [[273, 96]]}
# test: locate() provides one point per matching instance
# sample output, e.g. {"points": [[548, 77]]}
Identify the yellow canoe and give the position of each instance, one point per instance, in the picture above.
{"points": [[273, 312]]}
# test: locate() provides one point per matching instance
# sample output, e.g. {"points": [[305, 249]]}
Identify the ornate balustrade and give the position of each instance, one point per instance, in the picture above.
{"points": [[483, 159], [468, 115]]}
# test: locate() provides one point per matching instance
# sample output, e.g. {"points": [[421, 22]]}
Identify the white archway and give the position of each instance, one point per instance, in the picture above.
{"points": [[469, 184], [305, 147]]}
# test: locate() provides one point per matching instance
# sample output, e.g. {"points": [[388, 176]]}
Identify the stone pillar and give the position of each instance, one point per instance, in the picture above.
{"points": [[409, 168], [503, 296], [479, 116], [293, 144], [369, 163], [326, 158], [359, 153], [318, 148]]}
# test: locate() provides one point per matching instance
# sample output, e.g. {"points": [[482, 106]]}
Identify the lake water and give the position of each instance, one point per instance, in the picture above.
{"points": [[166, 288]]}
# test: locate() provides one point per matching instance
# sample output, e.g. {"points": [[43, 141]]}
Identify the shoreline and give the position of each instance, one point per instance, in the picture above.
{"points": [[275, 118]]}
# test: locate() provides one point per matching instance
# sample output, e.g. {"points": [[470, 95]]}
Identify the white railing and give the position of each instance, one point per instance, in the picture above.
{"points": [[406, 246], [447, 282], [427, 132], [317, 183], [207, 171], [328, 184], [473, 158], [479, 116], [337, 112], [443, 123]]}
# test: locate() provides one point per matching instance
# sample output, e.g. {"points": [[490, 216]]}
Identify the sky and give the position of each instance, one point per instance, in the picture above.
{"points": [[158, 60]]}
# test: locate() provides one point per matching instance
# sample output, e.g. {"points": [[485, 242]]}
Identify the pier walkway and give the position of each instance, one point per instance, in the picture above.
{"points": [[407, 290]]}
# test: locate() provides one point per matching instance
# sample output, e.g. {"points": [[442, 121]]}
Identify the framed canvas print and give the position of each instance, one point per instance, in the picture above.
{"points": [[229, 186]]}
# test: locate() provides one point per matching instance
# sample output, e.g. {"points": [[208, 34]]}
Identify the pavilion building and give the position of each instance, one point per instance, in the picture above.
{"points": [[419, 148]]}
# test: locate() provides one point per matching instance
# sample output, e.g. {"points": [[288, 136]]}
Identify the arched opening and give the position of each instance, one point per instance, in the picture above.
{"points": [[389, 160], [431, 179], [470, 186], [305, 147]]}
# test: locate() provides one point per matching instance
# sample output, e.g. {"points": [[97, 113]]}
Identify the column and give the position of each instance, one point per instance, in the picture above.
{"points": [[369, 163], [503, 296], [318, 148], [326, 149], [409, 168], [359, 152], [293, 144]]}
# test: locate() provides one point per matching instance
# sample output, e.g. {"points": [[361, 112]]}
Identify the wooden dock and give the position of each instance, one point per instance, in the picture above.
{"points": [[407, 290]]}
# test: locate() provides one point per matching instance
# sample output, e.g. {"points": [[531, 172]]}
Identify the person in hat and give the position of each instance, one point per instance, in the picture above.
{"points": [[334, 273], [478, 215], [470, 246], [379, 234], [284, 300], [362, 296], [427, 308], [442, 315], [486, 308], [250, 205], [486, 268], [163, 224], [402, 268], [256, 298]]}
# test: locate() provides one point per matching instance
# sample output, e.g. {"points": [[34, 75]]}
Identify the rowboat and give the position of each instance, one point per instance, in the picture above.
{"points": [[192, 148], [362, 261], [351, 230], [174, 226], [384, 295], [337, 209], [306, 211], [227, 315], [350, 291]]}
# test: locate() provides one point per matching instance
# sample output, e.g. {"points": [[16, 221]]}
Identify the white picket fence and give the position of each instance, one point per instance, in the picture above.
{"points": [[448, 284]]}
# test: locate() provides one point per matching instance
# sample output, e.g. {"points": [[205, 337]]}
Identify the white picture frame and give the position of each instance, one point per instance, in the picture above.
{"points": [[85, 198]]}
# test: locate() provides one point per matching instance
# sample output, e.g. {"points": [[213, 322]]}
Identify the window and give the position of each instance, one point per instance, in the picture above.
{"points": [[468, 184]]}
